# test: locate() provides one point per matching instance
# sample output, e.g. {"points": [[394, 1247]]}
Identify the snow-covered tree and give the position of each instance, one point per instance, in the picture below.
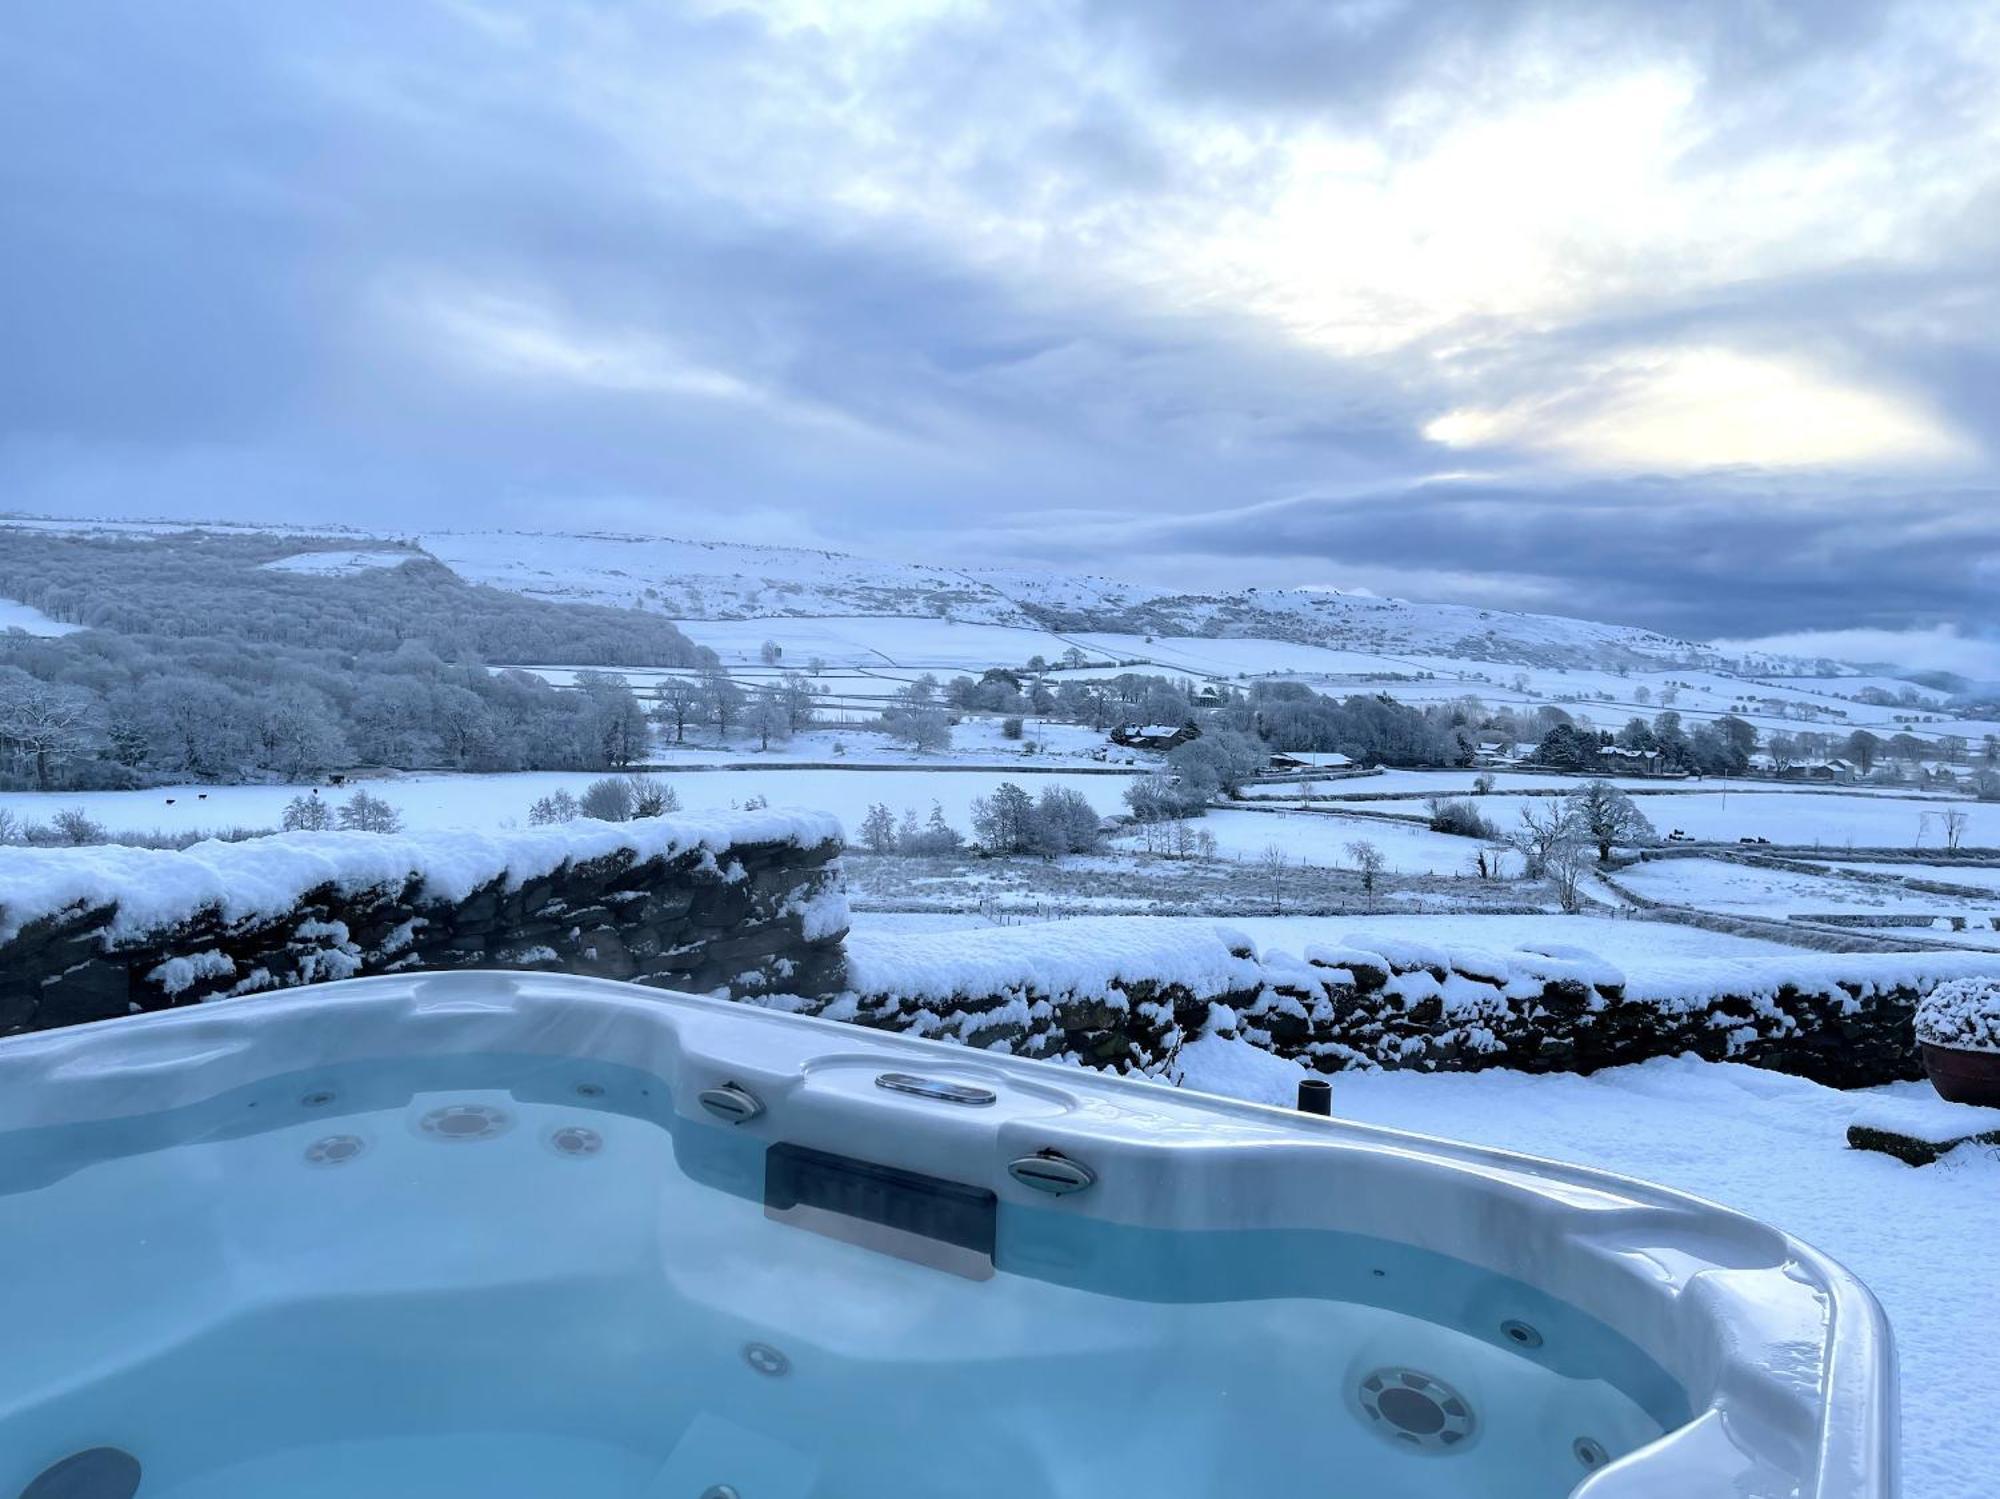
{"points": [[365, 813], [557, 806], [43, 725], [300, 733], [721, 701], [1609, 817], [1004, 821], [677, 702], [308, 812]]}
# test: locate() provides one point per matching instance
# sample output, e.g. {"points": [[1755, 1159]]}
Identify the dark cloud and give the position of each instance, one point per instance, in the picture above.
{"points": [[943, 289], [1661, 552]]}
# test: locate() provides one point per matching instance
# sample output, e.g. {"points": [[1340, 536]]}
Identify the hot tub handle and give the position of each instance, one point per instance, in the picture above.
{"points": [[1046, 1171], [736, 1104]]}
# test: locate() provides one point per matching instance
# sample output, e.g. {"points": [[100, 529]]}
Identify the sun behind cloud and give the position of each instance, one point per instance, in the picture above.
{"points": [[1701, 408]]}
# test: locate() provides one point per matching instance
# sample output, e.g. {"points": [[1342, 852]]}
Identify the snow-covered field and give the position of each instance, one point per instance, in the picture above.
{"points": [[1797, 818], [1773, 1146], [498, 801], [939, 645], [1970, 876], [1720, 885], [334, 564], [1618, 940], [1322, 838], [30, 620]]}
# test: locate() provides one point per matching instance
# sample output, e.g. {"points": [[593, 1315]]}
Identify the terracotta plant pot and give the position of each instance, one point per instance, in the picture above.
{"points": [[1964, 1076]]}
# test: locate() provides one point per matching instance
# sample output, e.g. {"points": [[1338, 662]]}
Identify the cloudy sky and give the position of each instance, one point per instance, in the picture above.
{"points": [[1685, 315]]}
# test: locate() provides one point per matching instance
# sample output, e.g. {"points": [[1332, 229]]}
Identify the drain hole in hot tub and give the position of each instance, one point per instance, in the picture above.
{"points": [[1590, 1452], [334, 1150], [575, 1140], [464, 1121], [97, 1473], [590, 1090], [319, 1098], [1520, 1334], [1415, 1410], [765, 1359]]}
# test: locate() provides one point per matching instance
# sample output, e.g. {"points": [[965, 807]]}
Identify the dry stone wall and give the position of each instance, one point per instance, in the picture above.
{"points": [[737, 906], [1122, 996]]}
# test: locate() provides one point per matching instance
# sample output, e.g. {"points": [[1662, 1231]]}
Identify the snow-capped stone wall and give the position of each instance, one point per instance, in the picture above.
{"points": [[1122, 995], [739, 902]]}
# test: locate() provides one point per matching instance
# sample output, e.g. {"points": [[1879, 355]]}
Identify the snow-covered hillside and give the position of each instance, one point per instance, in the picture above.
{"points": [[713, 580], [723, 581]]}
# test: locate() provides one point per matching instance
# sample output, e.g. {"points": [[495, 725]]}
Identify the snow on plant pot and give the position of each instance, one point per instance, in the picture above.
{"points": [[1958, 1027]]}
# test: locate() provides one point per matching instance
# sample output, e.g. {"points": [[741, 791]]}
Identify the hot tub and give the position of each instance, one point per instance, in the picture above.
{"points": [[500, 1236]]}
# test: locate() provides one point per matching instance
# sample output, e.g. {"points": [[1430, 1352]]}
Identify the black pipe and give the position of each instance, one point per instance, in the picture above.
{"points": [[1316, 1097]]}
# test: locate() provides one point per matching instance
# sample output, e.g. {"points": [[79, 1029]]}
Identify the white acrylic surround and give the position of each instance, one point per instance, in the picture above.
{"points": [[1784, 1355]]}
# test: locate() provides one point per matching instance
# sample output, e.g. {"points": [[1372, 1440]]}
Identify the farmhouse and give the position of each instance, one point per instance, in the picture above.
{"points": [[1310, 760], [1154, 736]]}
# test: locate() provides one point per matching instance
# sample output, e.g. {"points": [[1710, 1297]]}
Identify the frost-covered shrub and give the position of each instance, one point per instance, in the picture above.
{"points": [[365, 813], [1963, 1014], [607, 800], [557, 806], [1012, 728], [74, 825], [652, 797], [307, 814], [1460, 818]]}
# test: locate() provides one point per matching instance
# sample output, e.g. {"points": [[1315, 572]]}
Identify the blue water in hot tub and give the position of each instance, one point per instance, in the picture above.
{"points": [[510, 1278]]}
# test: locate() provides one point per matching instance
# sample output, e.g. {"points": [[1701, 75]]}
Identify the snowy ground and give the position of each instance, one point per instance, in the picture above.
{"points": [[30, 620], [1971, 876], [1617, 940], [1772, 1146], [1322, 838], [1720, 885], [1797, 818], [489, 801]]}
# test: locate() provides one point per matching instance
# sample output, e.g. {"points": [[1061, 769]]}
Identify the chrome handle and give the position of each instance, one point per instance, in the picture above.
{"points": [[937, 1088]]}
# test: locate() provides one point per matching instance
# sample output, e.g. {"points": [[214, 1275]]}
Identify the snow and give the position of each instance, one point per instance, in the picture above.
{"points": [[714, 580], [1969, 876], [1321, 838], [155, 888], [1754, 890], [1082, 957], [1964, 1014], [1086, 954], [30, 620], [449, 800], [340, 563], [1796, 818], [1925, 1116], [942, 646], [1772, 1146]]}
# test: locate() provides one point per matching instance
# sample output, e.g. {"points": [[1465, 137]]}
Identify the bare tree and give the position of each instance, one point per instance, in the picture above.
{"points": [[1565, 865], [769, 719], [1368, 859], [721, 701], [678, 700], [1545, 823], [1273, 863]]}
